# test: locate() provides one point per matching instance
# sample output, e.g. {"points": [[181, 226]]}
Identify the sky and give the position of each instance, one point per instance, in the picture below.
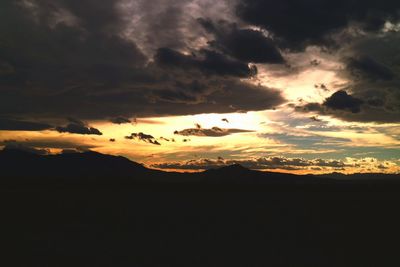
{"points": [[307, 86]]}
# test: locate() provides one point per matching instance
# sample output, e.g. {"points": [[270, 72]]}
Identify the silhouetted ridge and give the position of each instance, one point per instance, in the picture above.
{"points": [[97, 158], [238, 174], [90, 209], [95, 167], [234, 169], [18, 163]]}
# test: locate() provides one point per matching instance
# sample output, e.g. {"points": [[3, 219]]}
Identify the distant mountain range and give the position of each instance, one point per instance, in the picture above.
{"points": [[93, 166], [89, 209]]}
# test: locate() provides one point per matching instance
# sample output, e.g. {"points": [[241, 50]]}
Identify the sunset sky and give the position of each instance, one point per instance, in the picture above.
{"points": [[187, 85]]}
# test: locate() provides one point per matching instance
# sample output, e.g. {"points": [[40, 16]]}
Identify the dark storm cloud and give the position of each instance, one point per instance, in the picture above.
{"points": [[342, 101], [298, 23], [76, 58], [56, 47], [23, 147], [258, 163], [374, 74], [56, 62], [244, 44], [173, 24], [172, 98], [366, 114], [120, 120], [338, 101], [48, 143], [143, 137], [210, 63], [368, 68], [95, 15], [187, 97], [213, 132], [374, 82], [21, 125], [78, 127]]}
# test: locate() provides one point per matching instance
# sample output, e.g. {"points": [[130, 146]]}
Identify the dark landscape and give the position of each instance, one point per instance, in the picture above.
{"points": [[90, 209], [200, 133]]}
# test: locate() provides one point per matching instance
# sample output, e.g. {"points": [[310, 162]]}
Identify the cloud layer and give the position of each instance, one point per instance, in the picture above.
{"points": [[68, 55], [147, 138], [372, 93], [212, 132], [300, 23], [78, 127], [316, 72], [260, 163], [284, 163]]}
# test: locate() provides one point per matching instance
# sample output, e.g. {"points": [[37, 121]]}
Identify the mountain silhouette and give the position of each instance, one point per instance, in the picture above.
{"points": [[97, 167], [19, 163], [90, 209]]}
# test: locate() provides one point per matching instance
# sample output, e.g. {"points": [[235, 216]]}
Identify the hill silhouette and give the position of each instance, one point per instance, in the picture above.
{"points": [[90, 209], [93, 166]]}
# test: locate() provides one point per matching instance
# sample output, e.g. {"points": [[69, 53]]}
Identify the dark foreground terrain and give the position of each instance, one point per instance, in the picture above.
{"points": [[98, 210]]}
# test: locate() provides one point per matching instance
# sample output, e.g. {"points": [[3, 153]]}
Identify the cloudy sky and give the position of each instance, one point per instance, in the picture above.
{"points": [[307, 86]]}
